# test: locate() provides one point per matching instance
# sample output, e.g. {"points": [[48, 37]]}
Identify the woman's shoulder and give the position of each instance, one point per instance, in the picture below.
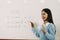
{"points": [[51, 25]]}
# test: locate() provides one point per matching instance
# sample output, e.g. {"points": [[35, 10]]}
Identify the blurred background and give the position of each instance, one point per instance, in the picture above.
{"points": [[15, 17]]}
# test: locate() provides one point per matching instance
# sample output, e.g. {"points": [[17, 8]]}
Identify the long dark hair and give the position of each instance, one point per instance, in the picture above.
{"points": [[49, 19], [48, 11]]}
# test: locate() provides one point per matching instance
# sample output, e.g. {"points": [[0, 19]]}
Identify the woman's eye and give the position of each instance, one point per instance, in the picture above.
{"points": [[43, 13]]}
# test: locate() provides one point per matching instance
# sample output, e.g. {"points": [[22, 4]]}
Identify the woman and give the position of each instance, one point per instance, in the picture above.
{"points": [[47, 30]]}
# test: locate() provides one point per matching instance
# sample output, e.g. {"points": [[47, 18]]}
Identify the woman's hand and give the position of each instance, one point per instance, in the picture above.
{"points": [[32, 24], [44, 30]]}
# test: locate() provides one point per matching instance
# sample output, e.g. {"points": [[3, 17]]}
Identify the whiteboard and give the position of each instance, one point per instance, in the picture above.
{"points": [[15, 17]]}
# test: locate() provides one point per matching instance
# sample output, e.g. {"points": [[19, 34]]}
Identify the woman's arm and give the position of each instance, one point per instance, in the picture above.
{"points": [[51, 34], [35, 32], [34, 29]]}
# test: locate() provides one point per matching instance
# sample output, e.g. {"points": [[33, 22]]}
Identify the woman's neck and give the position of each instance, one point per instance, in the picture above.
{"points": [[45, 22]]}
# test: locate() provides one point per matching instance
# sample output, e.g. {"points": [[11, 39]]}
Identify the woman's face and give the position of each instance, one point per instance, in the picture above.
{"points": [[44, 15]]}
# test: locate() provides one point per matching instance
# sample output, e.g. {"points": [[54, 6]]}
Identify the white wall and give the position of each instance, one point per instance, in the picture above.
{"points": [[15, 17]]}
